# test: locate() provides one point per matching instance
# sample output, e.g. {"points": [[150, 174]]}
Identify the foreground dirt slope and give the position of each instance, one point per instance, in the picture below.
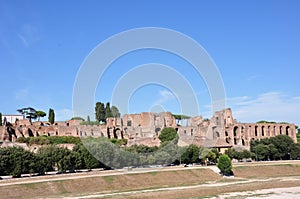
{"points": [[109, 183], [247, 178]]}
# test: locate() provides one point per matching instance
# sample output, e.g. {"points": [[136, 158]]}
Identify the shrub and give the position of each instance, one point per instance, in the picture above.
{"points": [[225, 165]]}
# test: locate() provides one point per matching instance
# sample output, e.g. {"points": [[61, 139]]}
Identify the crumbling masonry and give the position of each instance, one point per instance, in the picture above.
{"points": [[221, 131]]}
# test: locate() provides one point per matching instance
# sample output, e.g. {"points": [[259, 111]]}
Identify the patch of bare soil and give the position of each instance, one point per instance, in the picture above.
{"points": [[266, 171], [213, 191], [109, 183]]}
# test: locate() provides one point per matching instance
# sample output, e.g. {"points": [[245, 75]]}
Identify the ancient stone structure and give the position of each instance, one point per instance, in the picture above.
{"points": [[222, 131]]}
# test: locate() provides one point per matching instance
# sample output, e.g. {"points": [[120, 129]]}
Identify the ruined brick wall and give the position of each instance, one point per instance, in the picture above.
{"points": [[221, 129]]}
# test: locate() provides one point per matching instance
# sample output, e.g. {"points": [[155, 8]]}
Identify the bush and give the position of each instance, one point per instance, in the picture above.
{"points": [[225, 165]]}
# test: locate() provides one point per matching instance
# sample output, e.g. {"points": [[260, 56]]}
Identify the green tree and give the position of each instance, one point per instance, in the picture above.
{"points": [[0, 119], [77, 118], [261, 151], [225, 165], [88, 120], [168, 134], [191, 154], [28, 112], [40, 114], [295, 151], [115, 112], [100, 112], [51, 116], [107, 111]]}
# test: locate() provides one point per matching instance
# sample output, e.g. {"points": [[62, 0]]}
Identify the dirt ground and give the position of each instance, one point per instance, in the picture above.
{"points": [[180, 183]]}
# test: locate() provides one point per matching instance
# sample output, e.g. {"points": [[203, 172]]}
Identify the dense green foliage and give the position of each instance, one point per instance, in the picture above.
{"points": [[53, 140], [168, 134], [107, 110], [100, 112], [239, 155], [115, 112], [77, 118], [280, 147], [180, 117], [40, 114], [104, 112], [225, 165], [51, 116]]}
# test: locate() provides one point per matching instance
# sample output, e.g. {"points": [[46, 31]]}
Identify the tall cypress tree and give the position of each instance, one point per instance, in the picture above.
{"points": [[100, 112], [51, 116], [107, 111]]}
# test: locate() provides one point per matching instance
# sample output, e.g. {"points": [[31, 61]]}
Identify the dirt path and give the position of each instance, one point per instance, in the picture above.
{"points": [[212, 185]]}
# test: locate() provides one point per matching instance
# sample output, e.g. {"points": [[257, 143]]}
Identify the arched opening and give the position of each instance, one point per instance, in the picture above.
{"points": [[228, 140], [235, 141], [192, 132], [287, 130], [226, 133], [262, 131], [115, 133], [280, 130], [269, 131], [243, 142], [255, 130], [235, 129], [217, 134]]}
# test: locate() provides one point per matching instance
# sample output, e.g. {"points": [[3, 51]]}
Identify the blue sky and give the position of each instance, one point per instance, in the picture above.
{"points": [[255, 45]]}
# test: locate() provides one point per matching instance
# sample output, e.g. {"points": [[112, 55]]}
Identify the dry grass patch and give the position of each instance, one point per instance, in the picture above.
{"points": [[266, 171], [107, 184]]}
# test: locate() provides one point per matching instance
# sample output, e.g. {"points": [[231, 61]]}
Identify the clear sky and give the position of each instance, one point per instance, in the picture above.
{"points": [[255, 45]]}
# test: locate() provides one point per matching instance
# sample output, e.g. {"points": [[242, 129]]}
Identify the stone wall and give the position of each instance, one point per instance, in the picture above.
{"points": [[220, 131]]}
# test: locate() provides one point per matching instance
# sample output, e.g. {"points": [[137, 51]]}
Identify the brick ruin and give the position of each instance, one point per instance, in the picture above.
{"points": [[221, 131]]}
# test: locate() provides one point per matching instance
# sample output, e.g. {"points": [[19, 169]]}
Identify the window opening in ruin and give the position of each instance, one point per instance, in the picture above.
{"points": [[243, 142], [228, 140], [235, 141], [192, 132], [226, 133], [217, 134], [262, 131], [129, 123], [235, 131], [287, 130], [256, 130], [280, 130]]}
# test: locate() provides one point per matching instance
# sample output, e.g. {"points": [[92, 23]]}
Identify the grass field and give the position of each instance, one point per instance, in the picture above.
{"points": [[181, 183]]}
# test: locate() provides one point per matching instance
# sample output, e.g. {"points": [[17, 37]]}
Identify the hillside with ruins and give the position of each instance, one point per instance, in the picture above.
{"points": [[222, 131]]}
